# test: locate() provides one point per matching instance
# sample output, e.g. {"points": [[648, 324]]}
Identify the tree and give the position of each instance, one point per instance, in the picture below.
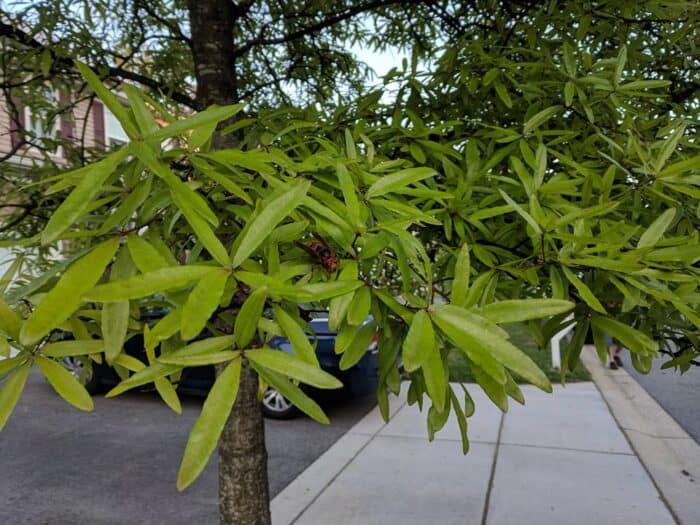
{"points": [[545, 163]]}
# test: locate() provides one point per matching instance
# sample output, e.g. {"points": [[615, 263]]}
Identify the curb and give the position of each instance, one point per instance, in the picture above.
{"points": [[669, 454]]}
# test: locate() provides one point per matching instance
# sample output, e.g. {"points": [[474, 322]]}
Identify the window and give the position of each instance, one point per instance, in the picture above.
{"points": [[113, 130], [41, 119]]}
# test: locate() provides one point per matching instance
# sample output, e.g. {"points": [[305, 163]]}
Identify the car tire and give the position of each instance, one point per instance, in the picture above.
{"points": [[89, 378], [276, 406]]}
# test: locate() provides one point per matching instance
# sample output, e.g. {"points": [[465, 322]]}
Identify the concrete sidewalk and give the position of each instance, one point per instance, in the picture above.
{"points": [[561, 459]]}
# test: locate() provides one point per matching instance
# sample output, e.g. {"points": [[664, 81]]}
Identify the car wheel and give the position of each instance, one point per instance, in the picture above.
{"points": [[86, 374], [276, 406]]}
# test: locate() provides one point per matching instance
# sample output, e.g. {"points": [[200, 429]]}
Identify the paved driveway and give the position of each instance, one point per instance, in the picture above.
{"points": [[119, 463]]}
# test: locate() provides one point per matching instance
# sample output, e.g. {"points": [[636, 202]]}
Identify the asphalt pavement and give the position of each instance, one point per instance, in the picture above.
{"points": [[678, 394], [119, 464]]}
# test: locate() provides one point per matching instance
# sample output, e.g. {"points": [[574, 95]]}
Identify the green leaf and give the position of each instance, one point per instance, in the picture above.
{"points": [[200, 226], [540, 118], [468, 329], [148, 283], [156, 370], [349, 195], [293, 393], [201, 303], [10, 392], [460, 284], [399, 180], [339, 305], [9, 364], [65, 297], [167, 392], [656, 229], [574, 346], [644, 84], [350, 145], [327, 290], [292, 367], [109, 99], [516, 310], [583, 290], [10, 322], [72, 348], [633, 339], [264, 223], [79, 200], [419, 342], [209, 425], [145, 256], [129, 205], [248, 316], [461, 421], [115, 316], [435, 377], [199, 359], [200, 119], [494, 390], [525, 215], [295, 334], [358, 346], [502, 93], [359, 307], [63, 382]]}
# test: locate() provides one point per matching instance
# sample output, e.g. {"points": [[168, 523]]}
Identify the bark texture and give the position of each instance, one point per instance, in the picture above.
{"points": [[244, 497]]}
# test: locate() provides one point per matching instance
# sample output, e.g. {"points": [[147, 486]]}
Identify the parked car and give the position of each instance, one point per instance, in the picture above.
{"points": [[357, 380]]}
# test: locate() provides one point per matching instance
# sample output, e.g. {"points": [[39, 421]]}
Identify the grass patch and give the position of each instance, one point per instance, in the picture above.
{"points": [[459, 368]]}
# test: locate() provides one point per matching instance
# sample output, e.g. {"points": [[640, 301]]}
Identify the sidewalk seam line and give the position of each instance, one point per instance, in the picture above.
{"points": [[345, 465], [586, 450], [662, 496], [485, 512]]}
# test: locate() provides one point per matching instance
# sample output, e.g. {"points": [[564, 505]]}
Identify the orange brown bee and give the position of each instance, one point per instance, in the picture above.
{"points": [[322, 253]]}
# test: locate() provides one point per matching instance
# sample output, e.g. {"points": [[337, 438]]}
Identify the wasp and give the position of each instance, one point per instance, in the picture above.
{"points": [[322, 253]]}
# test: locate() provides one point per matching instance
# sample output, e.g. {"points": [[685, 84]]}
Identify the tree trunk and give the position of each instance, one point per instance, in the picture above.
{"points": [[244, 497]]}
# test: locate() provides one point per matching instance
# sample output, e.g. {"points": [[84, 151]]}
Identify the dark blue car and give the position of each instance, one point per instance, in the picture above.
{"points": [[357, 380]]}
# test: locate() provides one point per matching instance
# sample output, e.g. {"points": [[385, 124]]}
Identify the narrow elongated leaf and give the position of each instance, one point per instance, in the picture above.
{"points": [[63, 382], [349, 195], [494, 390], [202, 118], [359, 307], [656, 229], [358, 346], [468, 329], [339, 305], [540, 118], [201, 303], [199, 359], [9, 364], [10, 322], [109, 99], [156, 370], [71, 348], [399, 180], [419, 342], [435, 377], [128, 206], [292, 392], [209, 425], [519, 209], [584, 291], [115, 316], [145, 256], [295, 334], [77, 203], [200, 226], [149, 283], [461, 421], [633, 339], [321, 291], [293, 367], [10, 392], [65, 297], [167, 393], [263, 225], [516, 310], [460, 284], [248, 316]]}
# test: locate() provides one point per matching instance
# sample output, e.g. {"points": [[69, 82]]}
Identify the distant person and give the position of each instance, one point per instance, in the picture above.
{"points": [[614, 350]]}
